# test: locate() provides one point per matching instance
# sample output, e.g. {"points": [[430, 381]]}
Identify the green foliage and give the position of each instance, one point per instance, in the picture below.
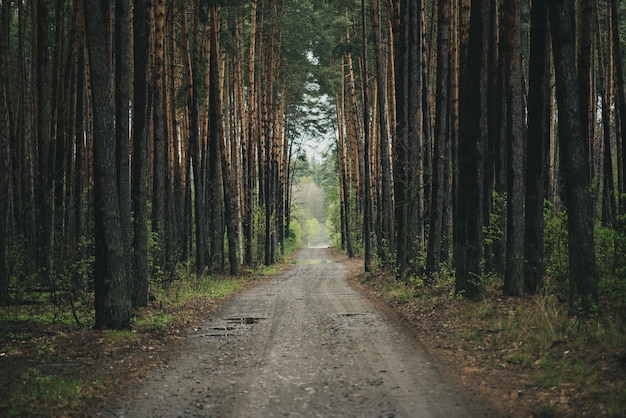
{"points": [[556, 250], [41, 310], [294, 239], [333, 216], [16, 260], [493, 231], [195, 285], [154, 250], [155, 321], [537, 335], [610, 250], [114, 336]]}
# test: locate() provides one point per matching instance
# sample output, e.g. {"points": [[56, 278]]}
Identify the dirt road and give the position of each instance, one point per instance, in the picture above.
{"points": [[304, 344]]}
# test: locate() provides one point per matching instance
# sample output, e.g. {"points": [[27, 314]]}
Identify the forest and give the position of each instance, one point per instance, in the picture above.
{"points": [[473, 139]]}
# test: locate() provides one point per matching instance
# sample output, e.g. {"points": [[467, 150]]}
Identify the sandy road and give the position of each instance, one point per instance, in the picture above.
{"points": [[304, 344]]}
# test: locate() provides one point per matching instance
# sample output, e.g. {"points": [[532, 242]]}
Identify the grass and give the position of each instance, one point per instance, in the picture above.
{"points": [[41, 334], [40, 392], [42, 331]]}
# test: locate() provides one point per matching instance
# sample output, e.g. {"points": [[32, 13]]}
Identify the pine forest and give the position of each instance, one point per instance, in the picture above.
{"points": [[480, 143]]}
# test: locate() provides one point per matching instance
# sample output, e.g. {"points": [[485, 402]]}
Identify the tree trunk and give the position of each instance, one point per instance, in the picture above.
{"points": [[468, 247], [408, 170], [231, 206], [386, 204], [159, 135], [609, 204], [248, 147], [442, 139], [5, 168], [111, 303], [367, 198], [574, 163], [214, 155], [620, 105], [586, 75], [344, 186], [122, 129], [140, 153], [539, 110], [191, 60], [515, 132], [44, 191]]}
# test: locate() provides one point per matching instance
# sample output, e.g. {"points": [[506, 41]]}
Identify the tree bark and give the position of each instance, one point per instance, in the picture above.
{"points": [[122, 128], [442, 139], [515, 132], [159, 139], [386, 203], [44, 191], [367, 198], [111, 301], [5, 169], [408, 170], [468, 247], [140, 153], [620, 105], [605, 56], [214, 154], [538, 138], [574, 163]]}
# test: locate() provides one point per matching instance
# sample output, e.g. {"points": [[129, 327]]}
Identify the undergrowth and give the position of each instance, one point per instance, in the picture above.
{"points": [[39, 331], [583, 361], [37, 392]]}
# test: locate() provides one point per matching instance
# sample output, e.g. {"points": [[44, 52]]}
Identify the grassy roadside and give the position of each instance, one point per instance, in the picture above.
{"points": [[528, 356], [50, 366]]}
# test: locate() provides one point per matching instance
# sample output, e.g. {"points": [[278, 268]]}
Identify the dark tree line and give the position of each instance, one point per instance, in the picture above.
{"points": [[486, 115], [140, 137]]}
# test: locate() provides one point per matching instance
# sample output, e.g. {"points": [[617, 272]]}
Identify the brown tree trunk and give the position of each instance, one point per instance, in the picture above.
{"points": [[44, 190], [408, 170], [386, 204], [344, 187], [539, 110], [442, 139], [231, 204], [367, 197], [5, 168], [159, 140], [609, 204], [515, 132], [620, 105], [248, 146], [122, 128], [140, 153], [111, 303], [468, 248], [214, 154], [574, 163]]}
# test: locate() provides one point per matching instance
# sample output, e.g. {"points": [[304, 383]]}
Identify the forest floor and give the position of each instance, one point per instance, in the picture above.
{"points": [[64, 370]]}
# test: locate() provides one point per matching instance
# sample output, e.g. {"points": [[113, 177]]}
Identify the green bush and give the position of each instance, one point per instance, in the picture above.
{"points": [[556, 250]]}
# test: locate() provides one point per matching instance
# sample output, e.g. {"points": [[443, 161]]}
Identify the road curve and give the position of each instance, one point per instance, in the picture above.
{"points": [[304, 344]]}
